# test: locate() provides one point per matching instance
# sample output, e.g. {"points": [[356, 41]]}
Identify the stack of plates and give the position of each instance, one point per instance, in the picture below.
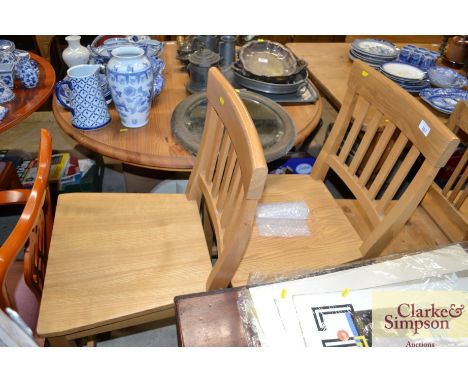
{"points": [[373, 52], [409, 77]]}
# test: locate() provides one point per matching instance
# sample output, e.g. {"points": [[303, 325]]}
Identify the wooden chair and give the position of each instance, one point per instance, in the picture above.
{"points": [[414, 142], [118, 260], [32, 232], [448, 207]]}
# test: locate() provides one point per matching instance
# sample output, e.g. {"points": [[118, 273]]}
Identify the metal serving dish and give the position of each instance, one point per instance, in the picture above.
{"points": [[301, 65], [267, 58], [275, 127], [297, 85]]}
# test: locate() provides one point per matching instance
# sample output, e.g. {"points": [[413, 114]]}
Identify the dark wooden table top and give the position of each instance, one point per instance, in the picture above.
{"points": [[210, 319], [28, 101]]}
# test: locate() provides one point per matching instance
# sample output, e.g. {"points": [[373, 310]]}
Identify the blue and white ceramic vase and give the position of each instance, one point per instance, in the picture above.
{"points": [[81, 94], [27, 71], [130, 77]]}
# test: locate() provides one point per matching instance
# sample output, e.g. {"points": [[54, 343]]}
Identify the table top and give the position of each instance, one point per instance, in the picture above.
{"points": [[28, 101], [329, 67], [153, 145]]}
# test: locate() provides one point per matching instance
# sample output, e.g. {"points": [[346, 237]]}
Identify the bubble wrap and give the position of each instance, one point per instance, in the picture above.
{"points": [[283, 219]]}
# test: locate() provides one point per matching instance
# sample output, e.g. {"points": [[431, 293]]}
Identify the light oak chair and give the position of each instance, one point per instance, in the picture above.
{"points": [[22, 281], [437, 221], [448, 206], [118, 260], [414, 142]]}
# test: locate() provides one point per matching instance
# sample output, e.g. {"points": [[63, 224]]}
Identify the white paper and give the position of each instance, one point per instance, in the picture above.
{"points": [[274, 304]]}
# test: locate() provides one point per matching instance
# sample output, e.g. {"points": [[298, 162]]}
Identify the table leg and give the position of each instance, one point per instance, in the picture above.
{"points": [[60, 341]]}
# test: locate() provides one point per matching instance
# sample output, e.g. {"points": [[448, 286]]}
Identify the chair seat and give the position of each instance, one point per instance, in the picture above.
{"points": [[332, 240], [115, 257], [420, 232]]}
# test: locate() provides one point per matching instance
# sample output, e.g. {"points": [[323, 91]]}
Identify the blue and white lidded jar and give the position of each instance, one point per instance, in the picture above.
{"points": [[27, 71], [130, 77], [7, 55]]}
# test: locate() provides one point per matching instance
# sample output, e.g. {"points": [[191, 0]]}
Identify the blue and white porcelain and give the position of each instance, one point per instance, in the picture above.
{"points": [[446, 78], [101, 54], [6, 94], [403, 71], [7, 55], [158, 85], [3, 112], [27, 71], [158, 65], [7, 74], [420, 57], [444, 100], [131, 81], [152, 48], [375, 47], [85, 99]]}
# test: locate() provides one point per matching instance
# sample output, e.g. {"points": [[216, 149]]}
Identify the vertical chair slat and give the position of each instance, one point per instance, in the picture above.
{"points": [[377, 154], [398, 179], [369, 135], [388, 164], [360, 115]]}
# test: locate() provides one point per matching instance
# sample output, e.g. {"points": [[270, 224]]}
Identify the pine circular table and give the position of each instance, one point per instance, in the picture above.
{"points": [[28, 101], [153, 146]]}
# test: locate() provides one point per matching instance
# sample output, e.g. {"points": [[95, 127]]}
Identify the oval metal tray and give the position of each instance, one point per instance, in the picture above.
{"points": [[275, 127], [267, 58], [298, 86]]}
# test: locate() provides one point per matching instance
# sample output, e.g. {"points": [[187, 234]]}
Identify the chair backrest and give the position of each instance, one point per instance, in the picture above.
{"points": [[34, 228], [229, 175], [458, 191], [446, 205], [376, 164]]}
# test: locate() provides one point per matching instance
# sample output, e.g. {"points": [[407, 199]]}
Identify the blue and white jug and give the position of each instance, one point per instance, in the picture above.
{"points": [[130, 77], [82, 95], [27, 71]]}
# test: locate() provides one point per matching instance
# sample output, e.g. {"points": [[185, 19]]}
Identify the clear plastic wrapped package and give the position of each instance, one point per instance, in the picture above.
{"points": [[410, 299], [285, 219]]}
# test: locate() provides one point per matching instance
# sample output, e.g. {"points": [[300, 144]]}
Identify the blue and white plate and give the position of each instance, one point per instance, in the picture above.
{"points": [[444, 100], [352, 57], [446, 78], [375, 48]]}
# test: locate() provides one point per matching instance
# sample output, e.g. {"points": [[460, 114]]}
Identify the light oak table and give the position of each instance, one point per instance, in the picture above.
{"points": [[28, 101], [329, 66], [153, 145]]}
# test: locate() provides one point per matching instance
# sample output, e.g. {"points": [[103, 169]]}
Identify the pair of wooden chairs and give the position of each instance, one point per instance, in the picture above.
{"points": [[118, 260]]}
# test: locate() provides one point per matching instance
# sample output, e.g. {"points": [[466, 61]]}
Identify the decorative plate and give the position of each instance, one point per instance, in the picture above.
{"points": [[444, 100], [374, 47], [403, 71], [446, 78]]}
